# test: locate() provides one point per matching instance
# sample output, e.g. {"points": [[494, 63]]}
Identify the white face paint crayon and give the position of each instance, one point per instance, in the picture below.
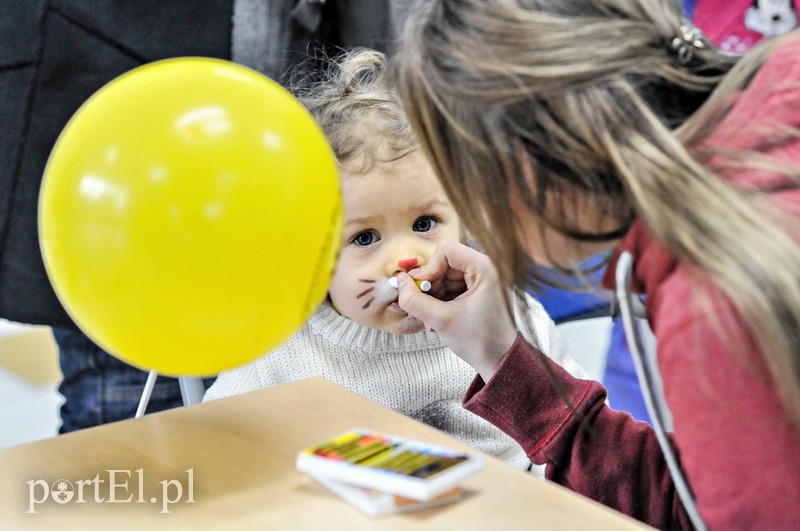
{"points": [[423, 285]]}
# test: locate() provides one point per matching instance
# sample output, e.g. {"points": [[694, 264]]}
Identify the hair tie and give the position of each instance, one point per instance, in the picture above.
{"points": [[689, 40]]}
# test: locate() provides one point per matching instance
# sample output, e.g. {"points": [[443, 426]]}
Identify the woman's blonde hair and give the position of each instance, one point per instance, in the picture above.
{"points": [[352, 99], [591, 96]]}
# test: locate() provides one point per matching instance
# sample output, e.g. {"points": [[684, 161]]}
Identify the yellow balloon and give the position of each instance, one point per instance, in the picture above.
{"points": [[190, 216]]}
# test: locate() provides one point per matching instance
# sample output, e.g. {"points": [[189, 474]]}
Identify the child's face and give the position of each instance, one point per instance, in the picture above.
{"points": [[395, 215]]}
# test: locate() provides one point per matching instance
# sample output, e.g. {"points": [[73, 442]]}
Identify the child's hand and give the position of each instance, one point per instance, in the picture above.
{"points": [[465, 305]]}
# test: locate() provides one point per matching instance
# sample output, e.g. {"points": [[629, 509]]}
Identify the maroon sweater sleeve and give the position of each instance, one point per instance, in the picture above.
{"points": [[563, 422]]}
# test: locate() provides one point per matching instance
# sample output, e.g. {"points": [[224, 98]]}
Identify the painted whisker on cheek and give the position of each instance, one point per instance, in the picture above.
{"points": [[365, 292], [371, 288]]}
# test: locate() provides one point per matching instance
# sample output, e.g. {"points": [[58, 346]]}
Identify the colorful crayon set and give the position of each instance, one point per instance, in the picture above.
{"points": [[384, 453], [389, 465]]}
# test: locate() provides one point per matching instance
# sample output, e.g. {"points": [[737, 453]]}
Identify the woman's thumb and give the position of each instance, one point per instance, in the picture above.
{"points": [[413, 301]]}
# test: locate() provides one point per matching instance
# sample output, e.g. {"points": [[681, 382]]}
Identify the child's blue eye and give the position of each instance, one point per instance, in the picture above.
{"points": [[363, 239], [425, 223]]}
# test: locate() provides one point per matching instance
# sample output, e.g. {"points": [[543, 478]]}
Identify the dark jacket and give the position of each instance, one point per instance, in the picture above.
{"points": [[55, 54]]}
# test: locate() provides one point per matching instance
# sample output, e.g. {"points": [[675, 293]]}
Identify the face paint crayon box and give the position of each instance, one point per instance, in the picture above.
{"points": [[376, 503], [388, 464]]}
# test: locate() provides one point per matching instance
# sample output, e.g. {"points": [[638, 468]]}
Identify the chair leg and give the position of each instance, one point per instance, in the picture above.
{"points": [[192, 390]]}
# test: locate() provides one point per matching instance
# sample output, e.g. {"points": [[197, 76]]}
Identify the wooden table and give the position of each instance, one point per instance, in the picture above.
{"points": [[229, 464]]}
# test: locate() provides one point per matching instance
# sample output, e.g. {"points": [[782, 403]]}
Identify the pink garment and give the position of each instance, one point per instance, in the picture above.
{"points": [[738, 449]]}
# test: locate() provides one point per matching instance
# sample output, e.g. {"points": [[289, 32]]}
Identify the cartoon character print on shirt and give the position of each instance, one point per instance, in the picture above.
{"points": [[771, 17], [735, 26]]}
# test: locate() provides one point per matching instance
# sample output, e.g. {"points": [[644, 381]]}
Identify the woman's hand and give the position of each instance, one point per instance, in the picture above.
{"points": [[465, 305]]}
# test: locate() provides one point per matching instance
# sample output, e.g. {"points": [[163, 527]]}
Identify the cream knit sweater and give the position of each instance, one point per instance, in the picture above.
{"points": [[414, 374]]}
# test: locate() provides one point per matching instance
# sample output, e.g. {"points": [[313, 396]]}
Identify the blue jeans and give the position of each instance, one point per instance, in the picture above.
{"points": [[99, 388]]}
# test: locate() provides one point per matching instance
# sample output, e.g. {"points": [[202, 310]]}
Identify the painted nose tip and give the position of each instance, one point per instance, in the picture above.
{"points": [[408, 263]]}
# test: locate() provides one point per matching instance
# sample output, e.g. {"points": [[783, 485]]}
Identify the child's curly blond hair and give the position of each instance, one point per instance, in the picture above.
{"points": [[355, 104]]}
